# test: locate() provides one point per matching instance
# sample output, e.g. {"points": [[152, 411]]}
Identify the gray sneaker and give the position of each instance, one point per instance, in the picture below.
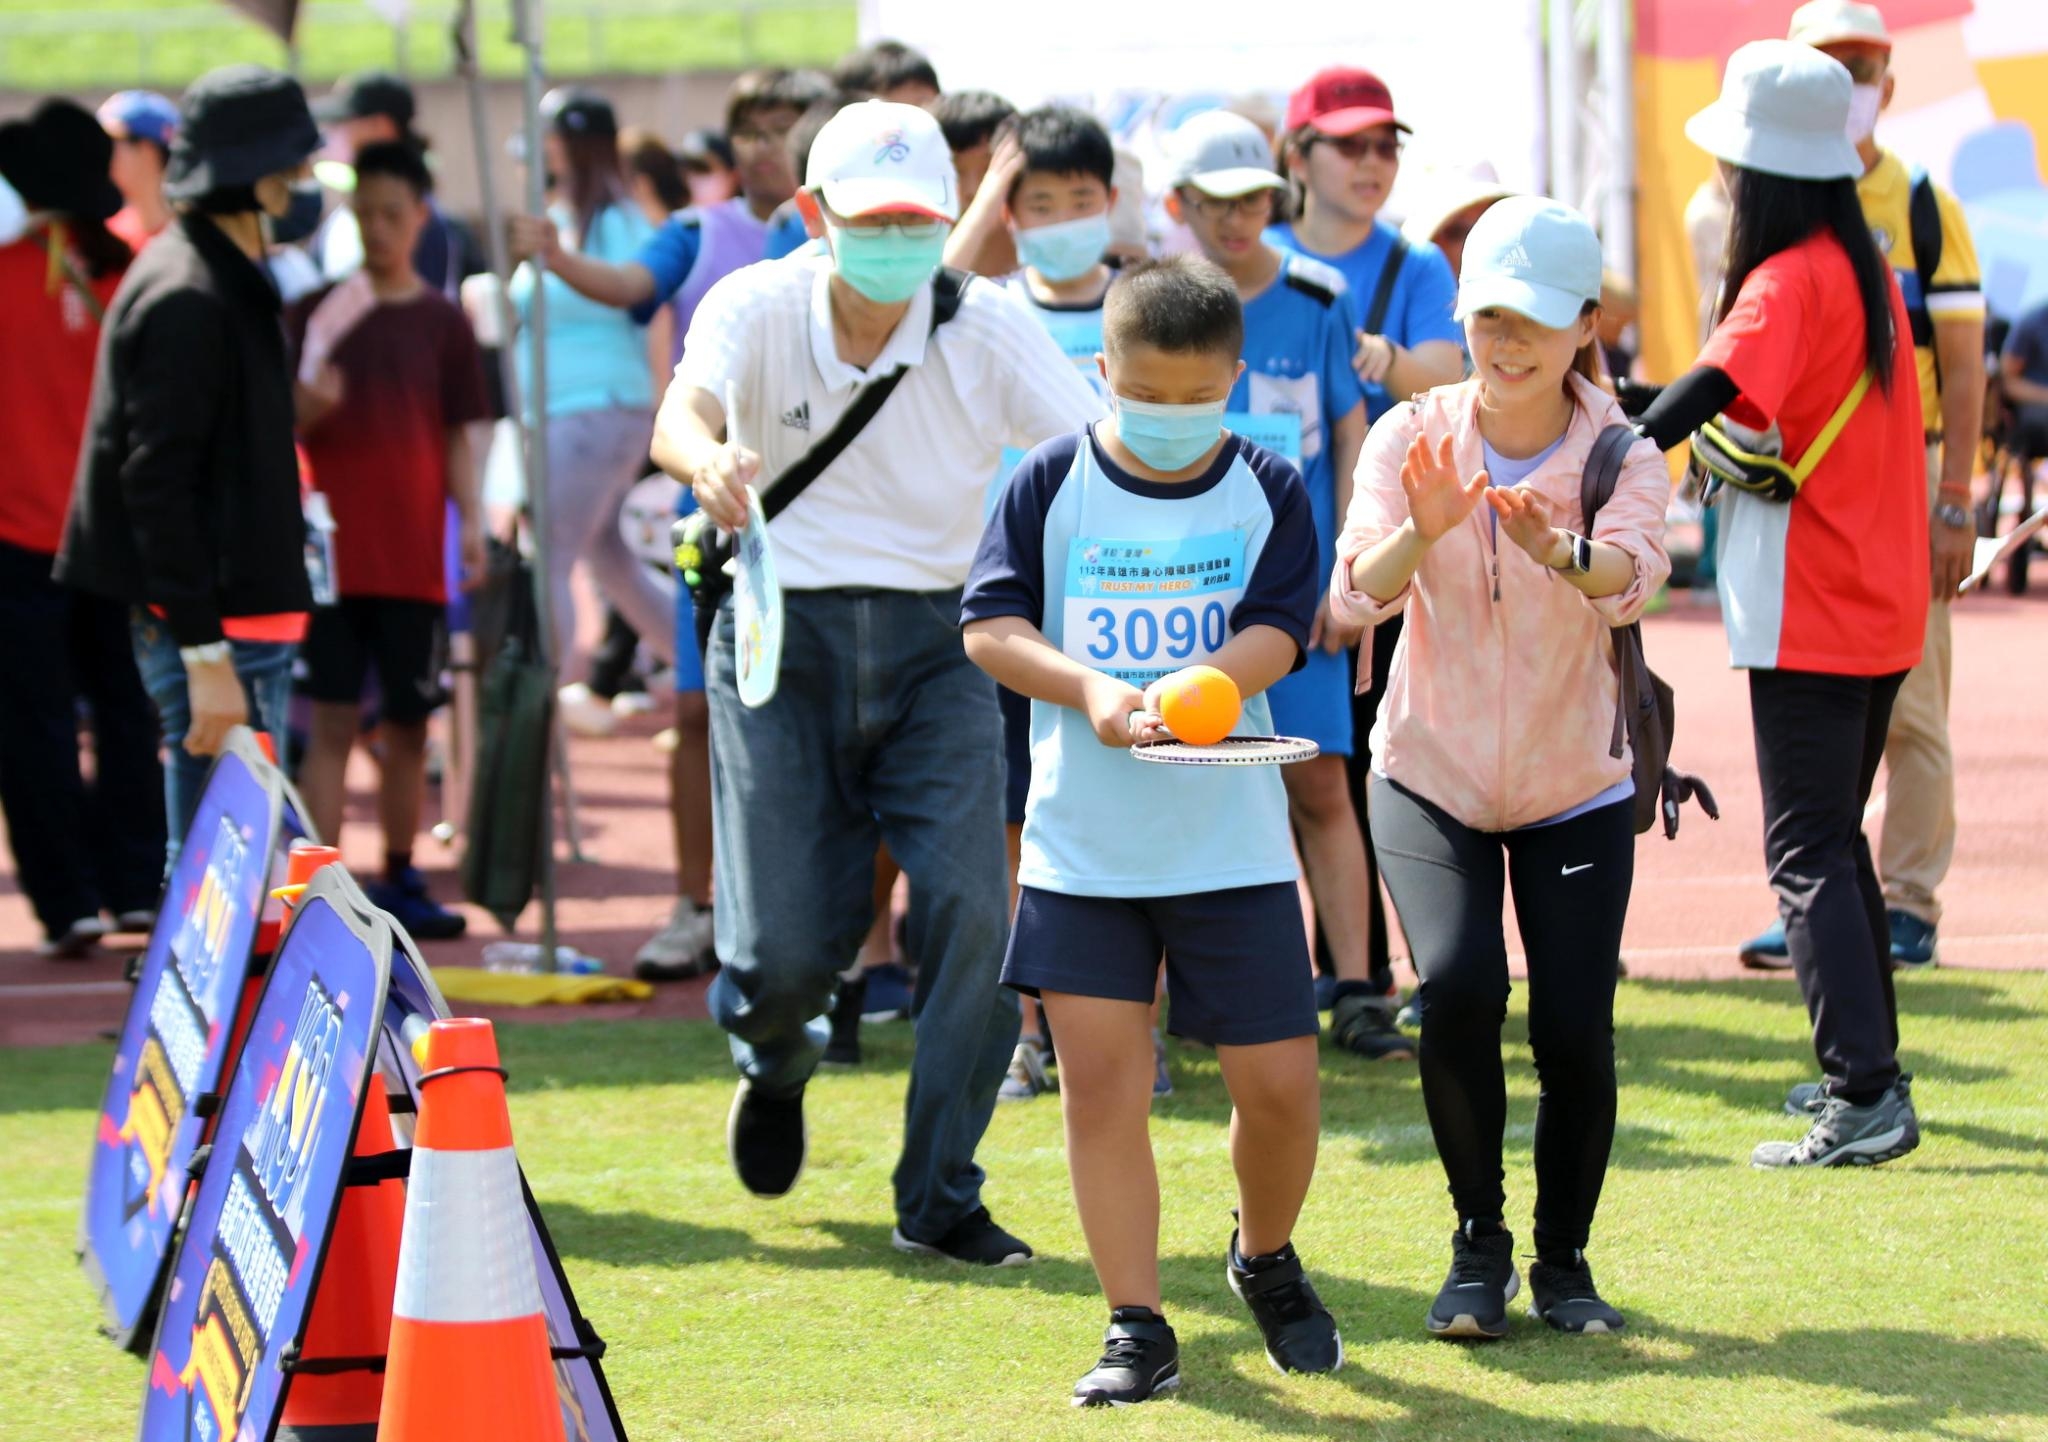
{"points": [[1846, 1135], [1027, 1077], [1806, 1096], [681, 949]]}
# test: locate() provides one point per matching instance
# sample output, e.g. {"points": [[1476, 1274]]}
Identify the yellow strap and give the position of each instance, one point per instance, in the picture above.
{"points": [[1817, 452]]}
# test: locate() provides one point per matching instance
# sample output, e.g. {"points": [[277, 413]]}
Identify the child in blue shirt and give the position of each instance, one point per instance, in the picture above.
{"points": [[1155, 541]]}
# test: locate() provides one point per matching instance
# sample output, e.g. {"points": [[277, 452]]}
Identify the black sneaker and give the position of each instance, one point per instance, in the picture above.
{"points": [[844, 1048], [766, 1138], [1564, 1297], [1140, 1359], [1364, 1026], [974, 1239], [1475, 1296], [1300, 1334]]}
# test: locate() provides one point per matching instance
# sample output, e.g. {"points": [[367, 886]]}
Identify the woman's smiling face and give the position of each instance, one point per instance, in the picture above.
{"points": [[1514, 356]]}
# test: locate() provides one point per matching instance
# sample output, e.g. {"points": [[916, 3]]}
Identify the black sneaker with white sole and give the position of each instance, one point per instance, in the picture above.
{"points": [[1301, 1335], [1562, 1294], [766, 1138], [1844, 1134], [975, 1239], [1475, 1296], [1140, 1359]]}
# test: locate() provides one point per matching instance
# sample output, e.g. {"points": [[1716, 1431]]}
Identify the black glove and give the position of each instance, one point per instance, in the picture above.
{"points": [[1635, 396]]}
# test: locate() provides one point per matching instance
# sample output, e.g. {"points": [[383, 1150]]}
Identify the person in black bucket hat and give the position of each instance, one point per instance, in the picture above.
{"points": [[57, 160], [187, 501]]}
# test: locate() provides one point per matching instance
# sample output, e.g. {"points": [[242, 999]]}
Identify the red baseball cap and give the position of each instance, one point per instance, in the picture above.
{"points": [[1342, 101]]}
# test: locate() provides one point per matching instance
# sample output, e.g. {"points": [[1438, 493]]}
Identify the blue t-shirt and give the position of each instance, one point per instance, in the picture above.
{"points": [[669, 254], [1077, 331], [1298, 382], [596, 355], [1140, 578], [786, 234], [1419, 310], [2028, 343]]}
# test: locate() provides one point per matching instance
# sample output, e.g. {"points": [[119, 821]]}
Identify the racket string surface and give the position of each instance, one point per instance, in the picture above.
{"points": [[1230, 751]]}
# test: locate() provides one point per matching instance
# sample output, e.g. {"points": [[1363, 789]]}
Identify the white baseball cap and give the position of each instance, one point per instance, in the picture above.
{"points": [[1784, 110], [1221, 153], [1533, 256], [1838, 22], [880, 156]]}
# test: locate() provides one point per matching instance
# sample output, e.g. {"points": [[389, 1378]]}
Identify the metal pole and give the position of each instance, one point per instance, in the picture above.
{"points": [[1618, 97]]}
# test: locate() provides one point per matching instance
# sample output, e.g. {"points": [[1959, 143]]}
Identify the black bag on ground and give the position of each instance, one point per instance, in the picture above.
{"points": [[515, 721], [1645, 710]]}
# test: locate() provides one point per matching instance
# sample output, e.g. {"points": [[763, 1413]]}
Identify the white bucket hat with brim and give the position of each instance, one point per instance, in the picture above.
{"points": [[1784, 110]]}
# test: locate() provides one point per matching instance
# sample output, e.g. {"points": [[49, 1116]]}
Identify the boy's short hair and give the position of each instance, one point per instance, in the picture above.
{"points": [[971, 117], [399, 159], [772, 89], [882, 67], [805, 133], [1061, 140], [1182, 304]]}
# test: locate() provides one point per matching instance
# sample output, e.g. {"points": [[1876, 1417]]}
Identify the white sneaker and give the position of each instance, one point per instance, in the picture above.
{"points": [[75, 941], [683, 948], [585, 712]]}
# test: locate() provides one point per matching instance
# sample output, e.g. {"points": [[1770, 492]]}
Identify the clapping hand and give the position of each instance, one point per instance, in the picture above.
{"points": [[1438, 501], [1525, 520]]}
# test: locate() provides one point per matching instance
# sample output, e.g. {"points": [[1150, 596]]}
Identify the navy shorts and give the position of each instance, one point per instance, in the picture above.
{"points": [[1016, 711], [1237, 965]]}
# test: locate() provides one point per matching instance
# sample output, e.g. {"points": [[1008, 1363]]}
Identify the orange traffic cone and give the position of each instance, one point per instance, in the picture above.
{"points": [[470, 1357]]}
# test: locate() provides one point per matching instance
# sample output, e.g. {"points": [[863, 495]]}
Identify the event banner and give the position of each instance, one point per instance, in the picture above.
{"points": [[241, 1287], [167, 1068]]}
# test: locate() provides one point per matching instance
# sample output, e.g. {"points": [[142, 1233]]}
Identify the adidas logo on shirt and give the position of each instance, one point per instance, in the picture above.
{"points": [[798, 416]]}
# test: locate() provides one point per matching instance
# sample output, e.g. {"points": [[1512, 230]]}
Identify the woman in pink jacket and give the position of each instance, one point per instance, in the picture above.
{"points": [[1491, 756]]}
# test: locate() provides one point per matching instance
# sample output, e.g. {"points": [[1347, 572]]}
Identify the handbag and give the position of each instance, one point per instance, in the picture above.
{"points": [[509, 792], [1726, 453]]}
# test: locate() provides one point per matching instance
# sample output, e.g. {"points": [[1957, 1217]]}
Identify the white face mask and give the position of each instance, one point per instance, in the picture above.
{"points": [[1864, 103]]}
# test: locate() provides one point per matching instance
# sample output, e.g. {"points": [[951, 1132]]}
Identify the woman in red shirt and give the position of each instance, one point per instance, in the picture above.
{"points": [[84, 851], [1824, 596]]}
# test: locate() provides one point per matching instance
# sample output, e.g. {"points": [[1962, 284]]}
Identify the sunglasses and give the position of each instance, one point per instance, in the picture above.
{"points": [[1357, 147]]}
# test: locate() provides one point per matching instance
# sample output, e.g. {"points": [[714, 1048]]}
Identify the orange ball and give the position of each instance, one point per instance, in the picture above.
{"points": [[1200, 705]]}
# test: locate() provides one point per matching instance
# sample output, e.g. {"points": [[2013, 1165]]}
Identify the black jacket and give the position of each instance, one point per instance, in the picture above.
{"points": [[188, 481]]}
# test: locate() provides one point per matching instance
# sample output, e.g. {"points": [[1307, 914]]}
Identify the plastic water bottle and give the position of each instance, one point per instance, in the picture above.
{"points": [[525, 958]]}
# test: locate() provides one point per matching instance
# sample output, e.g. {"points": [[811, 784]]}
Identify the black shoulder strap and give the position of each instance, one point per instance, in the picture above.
{"points": [[1383, 294], [1924, 212], [1309, 286], [1603, 470], [949, 288]]}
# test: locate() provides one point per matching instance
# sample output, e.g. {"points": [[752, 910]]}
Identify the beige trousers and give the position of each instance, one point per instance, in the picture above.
{"points": [[1919, 836]]}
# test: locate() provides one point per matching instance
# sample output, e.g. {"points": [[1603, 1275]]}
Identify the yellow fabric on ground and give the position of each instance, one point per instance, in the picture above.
{"points": [[504, 988]]}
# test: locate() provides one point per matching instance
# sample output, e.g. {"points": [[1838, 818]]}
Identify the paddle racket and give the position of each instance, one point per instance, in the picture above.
{"points": [[756, 592], [1991, 550], [1230, 751]]}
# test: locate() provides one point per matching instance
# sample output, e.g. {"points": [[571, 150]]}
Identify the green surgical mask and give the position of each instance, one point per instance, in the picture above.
{"points": [[887, 264]]}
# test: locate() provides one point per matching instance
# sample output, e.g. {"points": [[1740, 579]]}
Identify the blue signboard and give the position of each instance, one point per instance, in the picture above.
{"points": [[180, 1021], [241, 1287]]}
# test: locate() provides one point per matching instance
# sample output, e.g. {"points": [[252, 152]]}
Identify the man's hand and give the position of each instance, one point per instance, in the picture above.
{"points": [[1117, 711], [474, 553], [214, 693], [1955, 547], [533, 235], [721, 487]]}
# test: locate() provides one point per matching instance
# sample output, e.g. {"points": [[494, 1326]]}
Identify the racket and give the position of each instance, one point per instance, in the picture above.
{"points": [[1230, 751], [756, 592], [1994, 549]]}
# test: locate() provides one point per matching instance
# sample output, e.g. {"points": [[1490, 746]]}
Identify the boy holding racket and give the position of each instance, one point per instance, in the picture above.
{"points": [[1117, 556]]}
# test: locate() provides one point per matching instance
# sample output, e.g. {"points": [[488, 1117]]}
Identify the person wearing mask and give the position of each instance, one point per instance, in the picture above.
{"points": [[187, 502], [1341, 152], [1824, 595], [675, 266], [600, 397], [871, 558], [1945, 307], [1491, 758], [141, 124], [86, 851]]}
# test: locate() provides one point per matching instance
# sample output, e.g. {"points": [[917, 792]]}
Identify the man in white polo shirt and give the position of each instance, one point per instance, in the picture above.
{"points": [[879, 729]]}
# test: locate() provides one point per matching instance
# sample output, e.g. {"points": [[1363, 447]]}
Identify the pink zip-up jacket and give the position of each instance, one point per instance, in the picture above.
{"points": [[1500, 707]]}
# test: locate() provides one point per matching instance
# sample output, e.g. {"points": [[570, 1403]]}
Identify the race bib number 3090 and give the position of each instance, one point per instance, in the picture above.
{"points": [[1141, 609]]}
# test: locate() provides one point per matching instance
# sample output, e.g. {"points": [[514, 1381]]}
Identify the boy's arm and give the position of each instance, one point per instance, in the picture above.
{"points": [[980, 243], [1255, 658], [1018, 656], [465, 489]]}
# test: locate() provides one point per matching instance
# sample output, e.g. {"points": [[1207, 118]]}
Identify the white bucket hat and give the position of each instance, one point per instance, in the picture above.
{"points": [[1784, 110]]}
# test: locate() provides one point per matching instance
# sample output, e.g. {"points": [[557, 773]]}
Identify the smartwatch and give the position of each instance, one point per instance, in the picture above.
{"points": [[1579, 560]]}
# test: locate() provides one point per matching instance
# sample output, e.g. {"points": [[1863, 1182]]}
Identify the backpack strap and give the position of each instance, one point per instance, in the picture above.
{"points": [[1603, 470], [1923, 210], [1383, 293]]}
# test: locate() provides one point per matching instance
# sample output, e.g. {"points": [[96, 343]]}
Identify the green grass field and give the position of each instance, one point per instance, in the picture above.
{"points": [[52, 45], [1904, 1303]]}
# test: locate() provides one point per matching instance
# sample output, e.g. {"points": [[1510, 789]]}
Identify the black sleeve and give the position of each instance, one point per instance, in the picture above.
{"points": [[1685, 405], [172, 399]]}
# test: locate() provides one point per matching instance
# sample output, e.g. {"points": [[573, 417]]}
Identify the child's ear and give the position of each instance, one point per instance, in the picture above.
{"points": [[1102, 367]]}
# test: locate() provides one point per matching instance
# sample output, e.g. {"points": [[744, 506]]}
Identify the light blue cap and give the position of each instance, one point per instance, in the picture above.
{"points": [[1532, 256]]}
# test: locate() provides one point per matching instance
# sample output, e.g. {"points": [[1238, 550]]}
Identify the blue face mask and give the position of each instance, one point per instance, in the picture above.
{"points": [[885, 264], [302, 216], [1168, 438], [1066, 251]]}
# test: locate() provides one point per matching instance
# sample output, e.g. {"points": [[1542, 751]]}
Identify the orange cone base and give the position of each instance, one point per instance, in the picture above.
{"points": [[471, 1382]]}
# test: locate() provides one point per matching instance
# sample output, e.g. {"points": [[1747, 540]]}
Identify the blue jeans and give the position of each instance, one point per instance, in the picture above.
{"points": [[880, 730], [266, 671]]}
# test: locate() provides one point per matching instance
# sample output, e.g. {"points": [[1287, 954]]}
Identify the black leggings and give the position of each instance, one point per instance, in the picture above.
{"points": [[1571, 885]]}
